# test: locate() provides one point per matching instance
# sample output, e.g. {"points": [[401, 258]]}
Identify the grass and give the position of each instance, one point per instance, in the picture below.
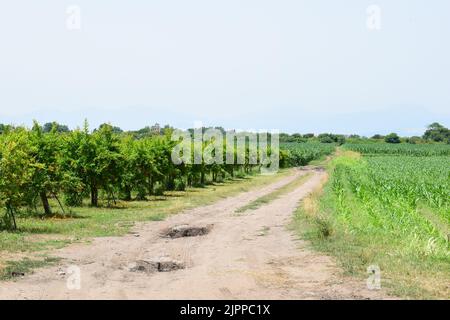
{"points": [[273, 195], [14, 269], [35, 234], [363, 223]]}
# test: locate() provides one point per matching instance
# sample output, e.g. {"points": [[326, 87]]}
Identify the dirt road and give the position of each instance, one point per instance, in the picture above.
{"points": [[250, 255]]}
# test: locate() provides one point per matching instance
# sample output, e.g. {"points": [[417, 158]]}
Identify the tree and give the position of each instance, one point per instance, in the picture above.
{"points": [[82, 166], [93, 162], [296, 137], [142, 133], [392, 138], [326, 138], [115, 129], [5, 128], [49, 126], [331, 138], [72, 164], [108, 163], [46, 152], [340, 139], [16, 171], [414, 140], [437, 132], [284, 137]]}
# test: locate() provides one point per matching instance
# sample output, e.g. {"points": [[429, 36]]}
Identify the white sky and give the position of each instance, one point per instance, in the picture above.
{"points": [[297, 66]]}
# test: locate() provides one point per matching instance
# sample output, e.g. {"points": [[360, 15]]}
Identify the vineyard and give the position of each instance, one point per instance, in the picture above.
{"points": [[390, 207], [300, 154], [103, 166], [46, 173]]}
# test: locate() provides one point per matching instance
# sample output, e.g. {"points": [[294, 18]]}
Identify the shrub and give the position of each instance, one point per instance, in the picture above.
{"points": [[180, 185], [392, 138], [324, 227], [73, 198], [158, 189]]}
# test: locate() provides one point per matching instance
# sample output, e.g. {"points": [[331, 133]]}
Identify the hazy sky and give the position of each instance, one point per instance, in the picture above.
{"points": [[297, 66]]}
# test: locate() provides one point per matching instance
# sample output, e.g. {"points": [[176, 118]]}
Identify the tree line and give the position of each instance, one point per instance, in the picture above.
{"points": [[435, 133], [106, 164], [69, 166]]}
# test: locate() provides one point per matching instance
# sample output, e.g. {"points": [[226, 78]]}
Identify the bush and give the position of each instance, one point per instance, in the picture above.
{"points": [[437, 132], [180, 185], [392, 138], [324, 227], [331, 138], [73, 199]]}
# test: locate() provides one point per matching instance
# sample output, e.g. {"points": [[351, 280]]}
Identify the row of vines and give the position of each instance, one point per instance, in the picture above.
{"points": [[101, 167]]}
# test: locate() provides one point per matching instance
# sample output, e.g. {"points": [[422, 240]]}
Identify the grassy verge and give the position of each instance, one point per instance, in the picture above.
{"points": [[35, 236], [273, 195], [344, 219], [17, 269]]}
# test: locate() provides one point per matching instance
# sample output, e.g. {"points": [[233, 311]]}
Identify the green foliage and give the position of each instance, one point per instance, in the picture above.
{"points": [[388, 210], [17, 168], [323, 226], [414, 140], [158, 189], [49, 126], [399, 184], [46, 150], [438, 133], [39, 165], [180, 185], [296, 137], [112, 128], [392, 138], [331, 138], [399, 149], [300, 154]]}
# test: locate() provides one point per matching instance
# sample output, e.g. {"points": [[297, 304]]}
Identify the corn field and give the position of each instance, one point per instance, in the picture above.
{"points": [[405, 198], [400, 149]]}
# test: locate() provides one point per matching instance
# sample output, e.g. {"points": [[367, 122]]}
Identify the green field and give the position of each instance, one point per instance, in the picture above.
{"points": [[387, 210], [400, 149], [300, 154]]}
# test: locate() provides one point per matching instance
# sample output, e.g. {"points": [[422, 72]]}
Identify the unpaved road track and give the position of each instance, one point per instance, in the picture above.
{"points": [[250, 255]]}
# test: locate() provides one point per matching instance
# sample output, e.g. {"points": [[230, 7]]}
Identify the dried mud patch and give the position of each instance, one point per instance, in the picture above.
{"points": [[163, 265], [183, 231]]}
